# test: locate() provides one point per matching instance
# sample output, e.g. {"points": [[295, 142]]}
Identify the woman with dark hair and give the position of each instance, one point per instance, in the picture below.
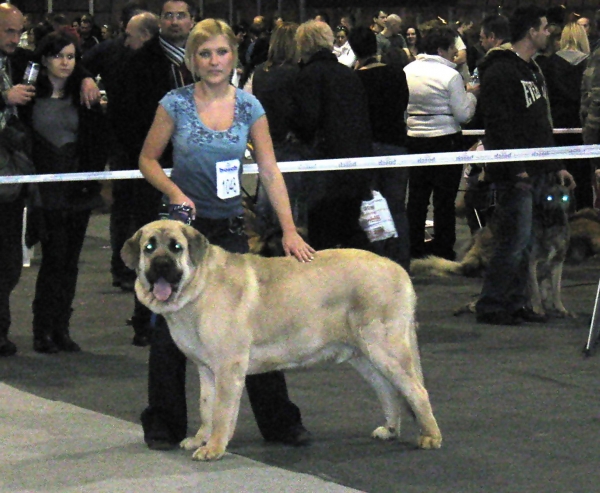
{"points": [[387, 98], [341, 47], [64, 140], [438, 104], [414, 42]]}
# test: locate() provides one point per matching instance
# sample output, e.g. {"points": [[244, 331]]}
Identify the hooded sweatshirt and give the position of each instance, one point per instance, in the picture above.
{"points": [[515, 112]]}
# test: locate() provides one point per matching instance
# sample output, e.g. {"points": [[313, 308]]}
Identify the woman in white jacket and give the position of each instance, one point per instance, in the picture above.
{"points": [[438, 104]]}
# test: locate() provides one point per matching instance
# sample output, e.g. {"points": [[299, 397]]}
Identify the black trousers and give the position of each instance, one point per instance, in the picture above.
{"points": [[11, 257], [62, 242], [135, 204], [443, 181], [165, 418]]}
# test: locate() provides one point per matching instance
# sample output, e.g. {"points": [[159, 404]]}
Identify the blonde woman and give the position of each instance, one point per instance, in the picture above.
{"points": [[564, 73], [209, 123]]}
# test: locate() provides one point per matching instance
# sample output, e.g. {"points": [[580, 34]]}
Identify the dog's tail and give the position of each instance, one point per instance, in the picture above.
{"points": [[435, 266]]}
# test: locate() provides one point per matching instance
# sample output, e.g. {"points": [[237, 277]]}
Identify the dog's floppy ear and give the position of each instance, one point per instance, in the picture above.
{"points": [[130, 253], [197, 244]]}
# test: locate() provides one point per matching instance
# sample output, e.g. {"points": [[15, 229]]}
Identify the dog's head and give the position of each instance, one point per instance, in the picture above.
{"points": [[164, 255], [555, 199]]}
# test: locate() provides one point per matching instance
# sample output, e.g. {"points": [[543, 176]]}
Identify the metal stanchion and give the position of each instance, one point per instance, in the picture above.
{"points": [[594, 328]]}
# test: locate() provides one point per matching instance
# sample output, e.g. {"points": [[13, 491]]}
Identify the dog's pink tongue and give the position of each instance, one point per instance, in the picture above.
{"points": [[162, 290]]}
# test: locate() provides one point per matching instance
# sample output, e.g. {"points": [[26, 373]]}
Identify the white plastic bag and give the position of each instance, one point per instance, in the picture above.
{"points": [[376, 220]]}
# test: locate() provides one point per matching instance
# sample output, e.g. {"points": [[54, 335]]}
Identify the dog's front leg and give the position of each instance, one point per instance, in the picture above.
{"points": [[556, 278], [229, 384], [207, 399], [535, 296]]}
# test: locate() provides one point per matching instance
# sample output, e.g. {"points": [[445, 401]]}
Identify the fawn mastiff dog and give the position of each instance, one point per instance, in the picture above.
{"points": [[235, 314]]}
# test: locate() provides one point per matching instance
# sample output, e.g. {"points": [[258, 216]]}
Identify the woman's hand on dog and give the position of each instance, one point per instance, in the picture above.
{"points": [[293, 244]]}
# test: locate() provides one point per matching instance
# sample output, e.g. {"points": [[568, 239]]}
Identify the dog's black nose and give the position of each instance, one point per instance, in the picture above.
{"points": [[165, 267]]}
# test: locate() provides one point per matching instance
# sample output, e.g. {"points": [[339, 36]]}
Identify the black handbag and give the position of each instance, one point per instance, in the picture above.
{"points": [[15, 157]]}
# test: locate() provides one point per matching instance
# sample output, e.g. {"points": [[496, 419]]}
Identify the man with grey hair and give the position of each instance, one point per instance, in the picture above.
{"points": [[140, 29], [109, 60]]}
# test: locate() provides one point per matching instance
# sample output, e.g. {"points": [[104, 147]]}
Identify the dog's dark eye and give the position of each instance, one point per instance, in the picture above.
{"points": [[550, 198], [175, 246], [565, 198], [150, 246]]}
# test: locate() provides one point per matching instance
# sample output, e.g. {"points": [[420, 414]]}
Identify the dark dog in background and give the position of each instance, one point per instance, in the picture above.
{"points": [[549, 251]]}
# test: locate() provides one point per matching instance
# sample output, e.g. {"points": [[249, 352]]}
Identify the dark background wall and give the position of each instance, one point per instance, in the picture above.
{"points": [[107, 11]]}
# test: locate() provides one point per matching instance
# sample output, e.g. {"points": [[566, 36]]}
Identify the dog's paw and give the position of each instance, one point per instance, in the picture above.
{"points": [[207, 453], [384, 433], [193, 443], [427, 442], [562, 313]]}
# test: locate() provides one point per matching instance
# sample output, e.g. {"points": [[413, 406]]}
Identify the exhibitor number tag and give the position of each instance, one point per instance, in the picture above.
{"points": [[228, 179]]}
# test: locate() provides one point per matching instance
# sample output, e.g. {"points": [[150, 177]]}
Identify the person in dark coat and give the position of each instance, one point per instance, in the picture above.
{"points": [[64, 141], [387, 96], [564, 74], [331, 119]]}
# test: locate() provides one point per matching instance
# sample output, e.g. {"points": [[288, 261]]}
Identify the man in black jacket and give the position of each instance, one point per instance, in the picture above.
{"points": [[13, 60], [515, 112]]}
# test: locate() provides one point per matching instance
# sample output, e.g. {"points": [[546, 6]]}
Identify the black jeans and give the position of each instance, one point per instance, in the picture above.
{"points": [[11, 257], [165, 418], [505, 281], [62, 242], [443, 181]]}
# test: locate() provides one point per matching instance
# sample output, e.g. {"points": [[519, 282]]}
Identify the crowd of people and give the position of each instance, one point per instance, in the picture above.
{"points": [[190, 94]]}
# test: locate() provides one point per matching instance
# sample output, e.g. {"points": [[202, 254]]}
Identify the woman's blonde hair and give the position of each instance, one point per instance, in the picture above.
{"points": [[574, 38], [282, 46], [313, 36], [202, 32]]}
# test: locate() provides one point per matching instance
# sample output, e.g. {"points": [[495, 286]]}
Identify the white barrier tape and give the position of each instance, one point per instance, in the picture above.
{"points": [[406, 160], [555, 131]]}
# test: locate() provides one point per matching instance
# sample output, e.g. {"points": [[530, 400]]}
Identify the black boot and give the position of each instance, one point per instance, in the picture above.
{"points": [[63, 341], [43, 343], [141, 323], [61, 335], [42, 336], [7, 348]]}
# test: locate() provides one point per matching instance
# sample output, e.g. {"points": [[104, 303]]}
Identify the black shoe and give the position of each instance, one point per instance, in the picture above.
{"points": [[156, 434], [298, 436], [161, 444], [44, 344], [528, 315], [140, 340], [127, 285], [498, 318], [7, 348], [64, 342]]}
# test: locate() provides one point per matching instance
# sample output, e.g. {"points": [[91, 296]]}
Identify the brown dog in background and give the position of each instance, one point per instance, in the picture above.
{"points": [[551, 235]]}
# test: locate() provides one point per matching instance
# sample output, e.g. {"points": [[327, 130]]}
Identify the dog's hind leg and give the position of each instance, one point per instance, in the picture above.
{"points": [[388, 395], [207, 399], [411, 387], [396, 358]]}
